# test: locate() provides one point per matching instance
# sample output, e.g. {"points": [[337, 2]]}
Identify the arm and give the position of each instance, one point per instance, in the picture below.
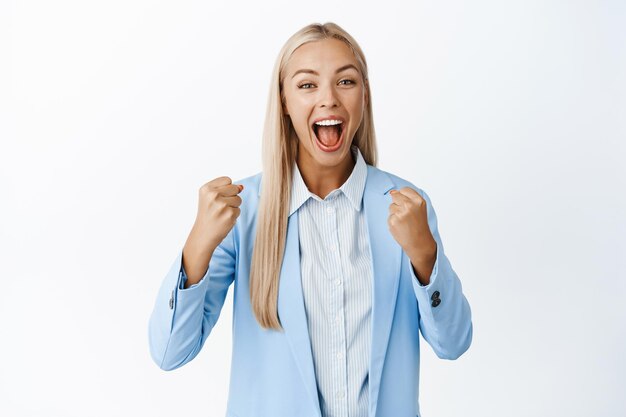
{"points": [[183, 318], [445, 315]]}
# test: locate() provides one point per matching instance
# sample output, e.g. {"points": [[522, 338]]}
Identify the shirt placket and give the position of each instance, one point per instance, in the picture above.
{"points": [[339, 336]]}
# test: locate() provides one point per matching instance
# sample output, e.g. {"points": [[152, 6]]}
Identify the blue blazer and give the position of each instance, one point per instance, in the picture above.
{"points": [[272, 372]]}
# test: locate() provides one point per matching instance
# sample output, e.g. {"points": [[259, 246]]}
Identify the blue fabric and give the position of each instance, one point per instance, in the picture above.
{"points": [[272, 372]]}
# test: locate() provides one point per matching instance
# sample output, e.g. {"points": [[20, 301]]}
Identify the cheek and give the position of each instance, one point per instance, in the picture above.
{"points": [[300, 124], [300, 112], [356, 101]]}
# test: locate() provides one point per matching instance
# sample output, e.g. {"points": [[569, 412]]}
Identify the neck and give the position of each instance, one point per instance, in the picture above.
{"points": [[322, 179]]}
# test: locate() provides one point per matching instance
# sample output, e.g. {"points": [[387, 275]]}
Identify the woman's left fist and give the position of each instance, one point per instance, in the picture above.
{"points": [[408, 224]]}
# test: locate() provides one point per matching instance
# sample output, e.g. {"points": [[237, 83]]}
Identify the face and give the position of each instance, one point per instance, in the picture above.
{"points": [[322, 82]]}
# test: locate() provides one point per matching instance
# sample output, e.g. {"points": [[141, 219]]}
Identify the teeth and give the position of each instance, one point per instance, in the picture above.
{"points": [[328, 122]]}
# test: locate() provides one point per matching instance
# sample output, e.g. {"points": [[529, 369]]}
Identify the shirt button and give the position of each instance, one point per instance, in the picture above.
{"points": [[338, 282], [331, 247], [340, 394], [329, 209], [339, 355]]}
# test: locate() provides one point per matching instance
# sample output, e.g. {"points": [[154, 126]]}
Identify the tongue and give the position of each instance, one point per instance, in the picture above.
{"points": [[328, 135]]}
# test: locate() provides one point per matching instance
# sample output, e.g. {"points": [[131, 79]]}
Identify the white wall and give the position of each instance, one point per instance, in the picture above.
{"points": [[510, 114]]}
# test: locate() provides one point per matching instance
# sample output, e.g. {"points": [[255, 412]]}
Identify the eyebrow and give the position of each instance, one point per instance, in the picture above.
{"points": [[310, 71]]}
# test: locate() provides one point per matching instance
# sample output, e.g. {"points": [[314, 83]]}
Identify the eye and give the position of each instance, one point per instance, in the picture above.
{"points": [[302, 86]]}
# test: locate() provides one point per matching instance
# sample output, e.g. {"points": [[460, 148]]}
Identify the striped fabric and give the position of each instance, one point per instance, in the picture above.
{"points": [[337, 285]]}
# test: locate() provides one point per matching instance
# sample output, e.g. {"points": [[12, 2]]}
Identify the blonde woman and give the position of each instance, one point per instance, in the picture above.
{"points": [[337, 265]]}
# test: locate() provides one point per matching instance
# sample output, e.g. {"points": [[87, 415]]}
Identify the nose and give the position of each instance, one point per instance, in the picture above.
{"points": [[328, 97]]}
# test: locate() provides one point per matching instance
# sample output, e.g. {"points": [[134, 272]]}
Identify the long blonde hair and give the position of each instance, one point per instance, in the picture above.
{"points": [[280, 146]]}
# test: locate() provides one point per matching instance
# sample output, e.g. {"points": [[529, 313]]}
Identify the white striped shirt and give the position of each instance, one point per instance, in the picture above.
{"points": [[337, 287]]}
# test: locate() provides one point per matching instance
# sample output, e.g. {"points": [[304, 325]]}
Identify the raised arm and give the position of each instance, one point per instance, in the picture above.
{"points": [[192, 293]]}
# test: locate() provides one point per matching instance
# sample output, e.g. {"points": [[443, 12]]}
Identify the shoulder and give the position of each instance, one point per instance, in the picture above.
{"points": [[249, 195], [249, 208], [389, 181], [251, 183], [377, 179]]}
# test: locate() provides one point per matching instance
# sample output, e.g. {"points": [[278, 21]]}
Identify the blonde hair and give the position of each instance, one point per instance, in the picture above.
{"points": [[279, 151]]}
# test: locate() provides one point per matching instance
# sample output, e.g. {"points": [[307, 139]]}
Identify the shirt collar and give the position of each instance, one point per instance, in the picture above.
{"points": [[352, 188]]}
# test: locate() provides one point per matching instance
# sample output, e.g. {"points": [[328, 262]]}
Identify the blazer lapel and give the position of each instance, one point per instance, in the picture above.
{"points": [[386, 256], [292, 314]]}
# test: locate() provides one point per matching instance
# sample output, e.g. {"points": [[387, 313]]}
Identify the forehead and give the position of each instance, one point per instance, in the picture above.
{"points": [[322, 55]]}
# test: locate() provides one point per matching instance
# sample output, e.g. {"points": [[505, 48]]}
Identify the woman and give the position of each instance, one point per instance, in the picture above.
{"points": [[336, 264]]}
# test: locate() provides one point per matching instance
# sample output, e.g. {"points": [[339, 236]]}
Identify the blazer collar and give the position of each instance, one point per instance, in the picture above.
{"points": [[353, 188]]}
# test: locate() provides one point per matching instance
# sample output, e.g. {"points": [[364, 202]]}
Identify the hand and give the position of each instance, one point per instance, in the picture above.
{"points": [[218, 210], [408, 224]]}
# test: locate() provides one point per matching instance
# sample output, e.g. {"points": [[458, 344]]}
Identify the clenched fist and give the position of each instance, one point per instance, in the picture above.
{"points": [[218, 210], [408, 224]]}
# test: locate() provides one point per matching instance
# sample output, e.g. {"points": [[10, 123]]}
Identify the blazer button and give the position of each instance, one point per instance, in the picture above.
{"points": [[436, 302], [435, 295], [172, 300]]}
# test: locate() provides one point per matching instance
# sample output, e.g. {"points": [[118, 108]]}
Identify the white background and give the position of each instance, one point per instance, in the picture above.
{"points": [[510, 114]]}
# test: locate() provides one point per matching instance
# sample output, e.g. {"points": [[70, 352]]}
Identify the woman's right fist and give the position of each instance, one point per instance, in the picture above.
{"points": [[218, 210]]}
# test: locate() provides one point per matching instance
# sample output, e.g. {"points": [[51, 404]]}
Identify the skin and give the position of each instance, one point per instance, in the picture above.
{"points": [[307, 97], [408, 224]]}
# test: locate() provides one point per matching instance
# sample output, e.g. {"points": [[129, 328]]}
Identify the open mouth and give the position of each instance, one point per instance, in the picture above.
{"points": [[329, 138]]}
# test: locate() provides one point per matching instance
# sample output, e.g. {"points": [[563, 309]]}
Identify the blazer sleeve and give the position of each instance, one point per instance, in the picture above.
{"points": [[182, 319], [445, 315]]}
